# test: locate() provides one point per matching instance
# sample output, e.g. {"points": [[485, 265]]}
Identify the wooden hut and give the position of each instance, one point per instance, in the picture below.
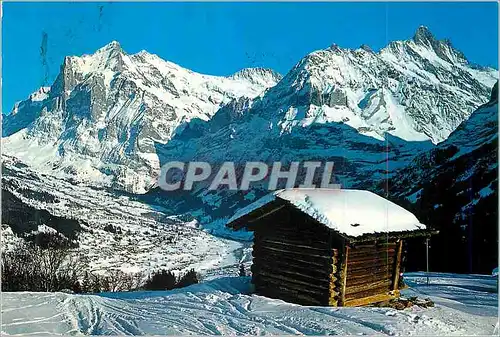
{"points": [[327, 247]]}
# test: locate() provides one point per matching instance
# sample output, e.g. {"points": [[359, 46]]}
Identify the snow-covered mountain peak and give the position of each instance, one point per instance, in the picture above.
{"points": [[425, 46], [424, 36], [334, 48], [113, 45], [366, 48], [417, 89], [104, 63], [111, 56], [258, 75], [106, 112]]}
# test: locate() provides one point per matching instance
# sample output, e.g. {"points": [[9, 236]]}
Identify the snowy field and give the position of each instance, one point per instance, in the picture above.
{"points": [[465, 305]]}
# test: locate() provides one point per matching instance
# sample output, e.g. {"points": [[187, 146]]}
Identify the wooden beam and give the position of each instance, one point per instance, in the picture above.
{"points": [[372, 262], [357, 279], [272, 229], [321, 247], [370, 292], [284, 278], [275, 234], [266, 213], [397, 267], [358, 273], [372, 299], [287, 269], [292, 257], [270, 242], [367, 286], [271, 283], [290, 275], [287, 264], [370, 254], [299, 253], [375, 267]]}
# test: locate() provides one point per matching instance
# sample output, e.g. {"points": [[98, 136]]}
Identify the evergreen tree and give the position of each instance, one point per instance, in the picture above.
{"points": [[191, 277], [161, 280], [242, 270], [77, 288], [86, 285]]}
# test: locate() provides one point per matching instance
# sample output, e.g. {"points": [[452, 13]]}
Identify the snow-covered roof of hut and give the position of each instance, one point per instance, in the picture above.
{"points": [[350, 212]]}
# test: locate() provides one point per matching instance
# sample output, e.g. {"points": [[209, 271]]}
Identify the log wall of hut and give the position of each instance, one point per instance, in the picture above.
{"points": [[372, 272], [294, 259], [299, 260]]}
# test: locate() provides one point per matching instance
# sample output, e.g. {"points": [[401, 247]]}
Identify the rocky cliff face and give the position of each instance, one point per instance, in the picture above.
{"points": [[102, 116]]}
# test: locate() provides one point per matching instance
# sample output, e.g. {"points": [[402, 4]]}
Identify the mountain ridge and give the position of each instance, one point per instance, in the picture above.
{"points": [[106, 110], [107, 113]]}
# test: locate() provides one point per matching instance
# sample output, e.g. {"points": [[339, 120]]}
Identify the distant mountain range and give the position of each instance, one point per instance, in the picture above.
{"points": [[107, 114], [414, 122], [100, 119]]}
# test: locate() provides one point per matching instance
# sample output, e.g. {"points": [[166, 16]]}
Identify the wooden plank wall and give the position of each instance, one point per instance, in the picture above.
{"points": [[372, 270], [294, 264]]}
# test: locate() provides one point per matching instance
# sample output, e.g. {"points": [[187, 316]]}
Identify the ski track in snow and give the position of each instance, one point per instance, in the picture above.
{"points": [[465, 305]]}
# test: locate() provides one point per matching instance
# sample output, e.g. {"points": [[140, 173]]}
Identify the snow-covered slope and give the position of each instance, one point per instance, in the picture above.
{"points": [[104, 113], [454, 188], [107, 114], [465, 305]]}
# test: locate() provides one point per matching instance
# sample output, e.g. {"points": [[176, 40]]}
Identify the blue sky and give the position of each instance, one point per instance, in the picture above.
{"points": [[221, 38]]}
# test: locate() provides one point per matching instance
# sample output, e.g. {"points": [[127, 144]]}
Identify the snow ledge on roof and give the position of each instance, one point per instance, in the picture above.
{"points": [[350, 212]]}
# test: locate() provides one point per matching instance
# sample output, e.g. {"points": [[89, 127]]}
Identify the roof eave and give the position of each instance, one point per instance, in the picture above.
{"points": [[246, 221], [392, 235]]}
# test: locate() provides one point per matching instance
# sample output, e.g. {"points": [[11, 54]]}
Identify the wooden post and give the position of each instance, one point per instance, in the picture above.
{"points": [[427, 258], [334, 295], [344, 275], [398, 265]]}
